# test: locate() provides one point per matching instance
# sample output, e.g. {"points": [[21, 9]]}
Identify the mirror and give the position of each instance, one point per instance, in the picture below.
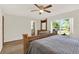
{"points": [[44, 24]]}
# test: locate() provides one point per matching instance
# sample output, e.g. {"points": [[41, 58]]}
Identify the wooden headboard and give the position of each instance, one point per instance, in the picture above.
{"points": [[27, 39]]}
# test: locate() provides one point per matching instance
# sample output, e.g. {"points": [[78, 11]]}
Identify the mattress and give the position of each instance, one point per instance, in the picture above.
{"points": [[57, 44]]}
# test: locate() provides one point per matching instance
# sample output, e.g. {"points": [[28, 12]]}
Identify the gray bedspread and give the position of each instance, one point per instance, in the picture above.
{"points": [[55, 45]]}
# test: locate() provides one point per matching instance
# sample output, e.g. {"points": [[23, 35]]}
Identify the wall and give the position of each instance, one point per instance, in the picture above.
{"points": [[72, 14], [0, 31], [15, 26]]}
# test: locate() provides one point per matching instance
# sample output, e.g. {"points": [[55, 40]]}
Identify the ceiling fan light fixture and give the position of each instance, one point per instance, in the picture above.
{"points": [[41, 11], [42, 8]]}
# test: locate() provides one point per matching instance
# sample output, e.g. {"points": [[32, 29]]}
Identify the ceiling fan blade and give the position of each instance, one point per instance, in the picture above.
{"points": [[37, 6], [47, 11], [48, 6], [34, 10]]}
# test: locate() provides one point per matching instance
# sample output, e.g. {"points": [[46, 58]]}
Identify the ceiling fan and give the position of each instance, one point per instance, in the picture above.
{"points": [[42, 8]]}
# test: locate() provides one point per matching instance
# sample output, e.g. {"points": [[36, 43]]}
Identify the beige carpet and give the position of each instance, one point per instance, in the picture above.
{"points": [[15, 47]]}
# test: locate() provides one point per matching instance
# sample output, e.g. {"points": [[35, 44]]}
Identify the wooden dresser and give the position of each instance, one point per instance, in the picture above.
{"points": [[42, 32]]}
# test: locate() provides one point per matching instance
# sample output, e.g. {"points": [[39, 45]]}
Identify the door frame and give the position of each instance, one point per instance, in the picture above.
{"points": [[3, 29]]}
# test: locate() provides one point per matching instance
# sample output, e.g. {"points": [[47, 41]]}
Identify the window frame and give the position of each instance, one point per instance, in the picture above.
{"points": [[71, 25]]}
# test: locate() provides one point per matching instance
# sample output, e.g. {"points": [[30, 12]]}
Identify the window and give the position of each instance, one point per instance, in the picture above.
{"points": [[32, 27], [63, 26]]}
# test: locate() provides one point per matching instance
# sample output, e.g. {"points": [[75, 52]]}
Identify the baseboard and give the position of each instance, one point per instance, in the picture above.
{"points": [[13, 41]]}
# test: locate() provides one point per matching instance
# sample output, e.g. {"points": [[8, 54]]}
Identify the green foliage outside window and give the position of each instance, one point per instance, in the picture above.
{"points": [[56, 25], [62, 25]]}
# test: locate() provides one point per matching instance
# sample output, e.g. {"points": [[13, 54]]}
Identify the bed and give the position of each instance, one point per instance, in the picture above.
{"points": [[53, 44]]}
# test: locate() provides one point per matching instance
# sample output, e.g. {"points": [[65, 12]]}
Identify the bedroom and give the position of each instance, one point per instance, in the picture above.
{"points": [[18, 18]]}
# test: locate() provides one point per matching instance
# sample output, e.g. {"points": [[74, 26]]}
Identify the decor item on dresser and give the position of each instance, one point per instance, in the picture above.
{"points": [[54, 31]]}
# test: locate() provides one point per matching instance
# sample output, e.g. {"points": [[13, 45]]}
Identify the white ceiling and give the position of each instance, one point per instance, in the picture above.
{"points": [[24, 9]]}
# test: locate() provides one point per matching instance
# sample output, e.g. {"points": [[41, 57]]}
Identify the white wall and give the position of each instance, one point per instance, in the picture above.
{"points": [[15, 26], [72, 14], [0, 31]]}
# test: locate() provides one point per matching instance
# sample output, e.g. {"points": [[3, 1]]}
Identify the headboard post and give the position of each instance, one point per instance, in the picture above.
{"points": [[27, 39], [25, 42]]}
